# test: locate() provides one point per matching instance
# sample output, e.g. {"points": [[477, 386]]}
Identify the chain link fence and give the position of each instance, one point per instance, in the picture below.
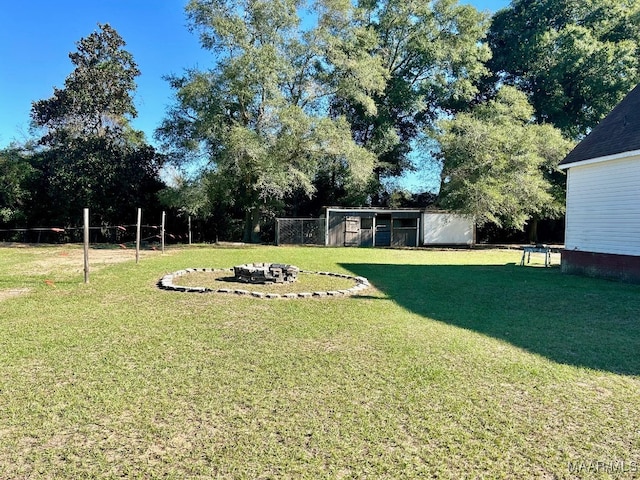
{"points": [[300, 231]]}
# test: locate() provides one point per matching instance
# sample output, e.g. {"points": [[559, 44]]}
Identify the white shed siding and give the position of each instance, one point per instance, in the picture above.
{"points": [[447, 229], [603, 207]]}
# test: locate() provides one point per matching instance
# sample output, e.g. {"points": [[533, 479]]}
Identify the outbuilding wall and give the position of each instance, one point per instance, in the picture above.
{"points": [[372, 227], [603, 207], [439, 228], [397, 228]]}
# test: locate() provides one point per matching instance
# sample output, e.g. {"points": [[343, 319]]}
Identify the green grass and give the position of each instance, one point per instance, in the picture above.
{"points": [[455, 364]]}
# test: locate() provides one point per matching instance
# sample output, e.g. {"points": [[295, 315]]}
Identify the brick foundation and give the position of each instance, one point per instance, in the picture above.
{"points": [[625, 268]]}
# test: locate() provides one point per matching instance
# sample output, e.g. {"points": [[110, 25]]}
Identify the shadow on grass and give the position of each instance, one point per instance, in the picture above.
{"points": [[571, 320]]}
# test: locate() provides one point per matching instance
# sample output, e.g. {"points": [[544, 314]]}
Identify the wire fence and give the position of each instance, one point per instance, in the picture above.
{"points": [[300, 231], [178, 229], [134, 236], [124, 234], [113, 234]]}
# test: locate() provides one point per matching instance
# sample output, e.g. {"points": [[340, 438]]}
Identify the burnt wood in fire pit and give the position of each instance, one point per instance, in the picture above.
{"points": [[265, 273]]}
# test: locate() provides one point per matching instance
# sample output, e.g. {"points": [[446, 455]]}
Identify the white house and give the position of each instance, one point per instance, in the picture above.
{"points": [[602, 236]]}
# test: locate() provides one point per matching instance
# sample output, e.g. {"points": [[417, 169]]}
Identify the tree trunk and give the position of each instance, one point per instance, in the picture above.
{"points": [[533, 230], [252, 226], [375, 197]]}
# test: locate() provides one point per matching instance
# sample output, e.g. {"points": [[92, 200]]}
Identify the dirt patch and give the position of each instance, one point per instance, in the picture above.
{"points": [[22, 262], [13, 292], [70, 259]]}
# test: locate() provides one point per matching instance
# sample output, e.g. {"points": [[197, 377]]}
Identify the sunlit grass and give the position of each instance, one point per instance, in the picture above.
{"points": [[455, 364]]}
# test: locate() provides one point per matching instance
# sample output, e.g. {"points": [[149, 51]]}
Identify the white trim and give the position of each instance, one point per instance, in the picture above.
{"points": [[617, 156], [326, 228], [374, 210], [375, 227]]}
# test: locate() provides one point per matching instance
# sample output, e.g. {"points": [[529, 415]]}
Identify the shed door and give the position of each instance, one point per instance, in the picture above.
{"points": [[383, 230], [351, 231]]}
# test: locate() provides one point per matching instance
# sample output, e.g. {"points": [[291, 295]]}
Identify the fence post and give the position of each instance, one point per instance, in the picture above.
{"points": [[86, 245], [162, 231], [138, 235], [326, 227]]}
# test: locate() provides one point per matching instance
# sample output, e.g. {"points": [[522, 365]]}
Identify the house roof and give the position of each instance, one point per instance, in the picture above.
{"points": [[617, 133]]}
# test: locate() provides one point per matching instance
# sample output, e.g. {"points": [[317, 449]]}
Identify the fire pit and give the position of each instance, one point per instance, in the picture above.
{"points": [[265, 273]]}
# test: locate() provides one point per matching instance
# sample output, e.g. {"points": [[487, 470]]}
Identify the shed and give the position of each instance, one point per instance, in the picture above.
{"points": [[383, 227], [602, 235]]}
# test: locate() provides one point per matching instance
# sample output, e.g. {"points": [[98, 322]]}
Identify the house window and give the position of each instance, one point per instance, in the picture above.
{"points": [[366, 223]]}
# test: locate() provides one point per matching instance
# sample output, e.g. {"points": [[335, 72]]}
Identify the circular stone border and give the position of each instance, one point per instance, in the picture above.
{"points": [[166, 283]]}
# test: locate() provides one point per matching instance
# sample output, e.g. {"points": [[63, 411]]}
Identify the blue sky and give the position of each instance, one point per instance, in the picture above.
{"points": [[36, 37]]}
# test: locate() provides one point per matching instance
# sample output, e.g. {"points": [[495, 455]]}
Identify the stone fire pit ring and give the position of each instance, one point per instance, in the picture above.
{"points": [[170, 282]]}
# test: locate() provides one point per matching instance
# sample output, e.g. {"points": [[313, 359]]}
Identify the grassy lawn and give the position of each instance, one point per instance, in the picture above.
{"points": [[455, 364]]}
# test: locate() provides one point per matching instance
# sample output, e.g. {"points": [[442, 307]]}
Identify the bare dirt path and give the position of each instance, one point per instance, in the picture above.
{"points": [[21, 261]]}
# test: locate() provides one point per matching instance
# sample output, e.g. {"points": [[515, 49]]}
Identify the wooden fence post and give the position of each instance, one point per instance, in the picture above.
{"points": [[189, 229], [138, 235], [86, 245], [162, 231]]}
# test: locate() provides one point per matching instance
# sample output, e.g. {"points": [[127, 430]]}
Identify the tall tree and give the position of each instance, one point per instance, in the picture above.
{"points": [[91, 156], [97, 96], [433, 56], [258, 115], [497, 164], [575, 59]]}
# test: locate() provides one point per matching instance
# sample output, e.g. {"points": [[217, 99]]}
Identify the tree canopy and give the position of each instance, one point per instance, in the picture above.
{"points": [[89, 154], [16, 173], [497, 164], [257, 115], [97, 96], [575, 59], [329, 102], [432, 56]]}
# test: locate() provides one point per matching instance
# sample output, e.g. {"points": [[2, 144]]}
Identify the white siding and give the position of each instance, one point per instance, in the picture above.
{"points": [[447, 229], [603, 207]]}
